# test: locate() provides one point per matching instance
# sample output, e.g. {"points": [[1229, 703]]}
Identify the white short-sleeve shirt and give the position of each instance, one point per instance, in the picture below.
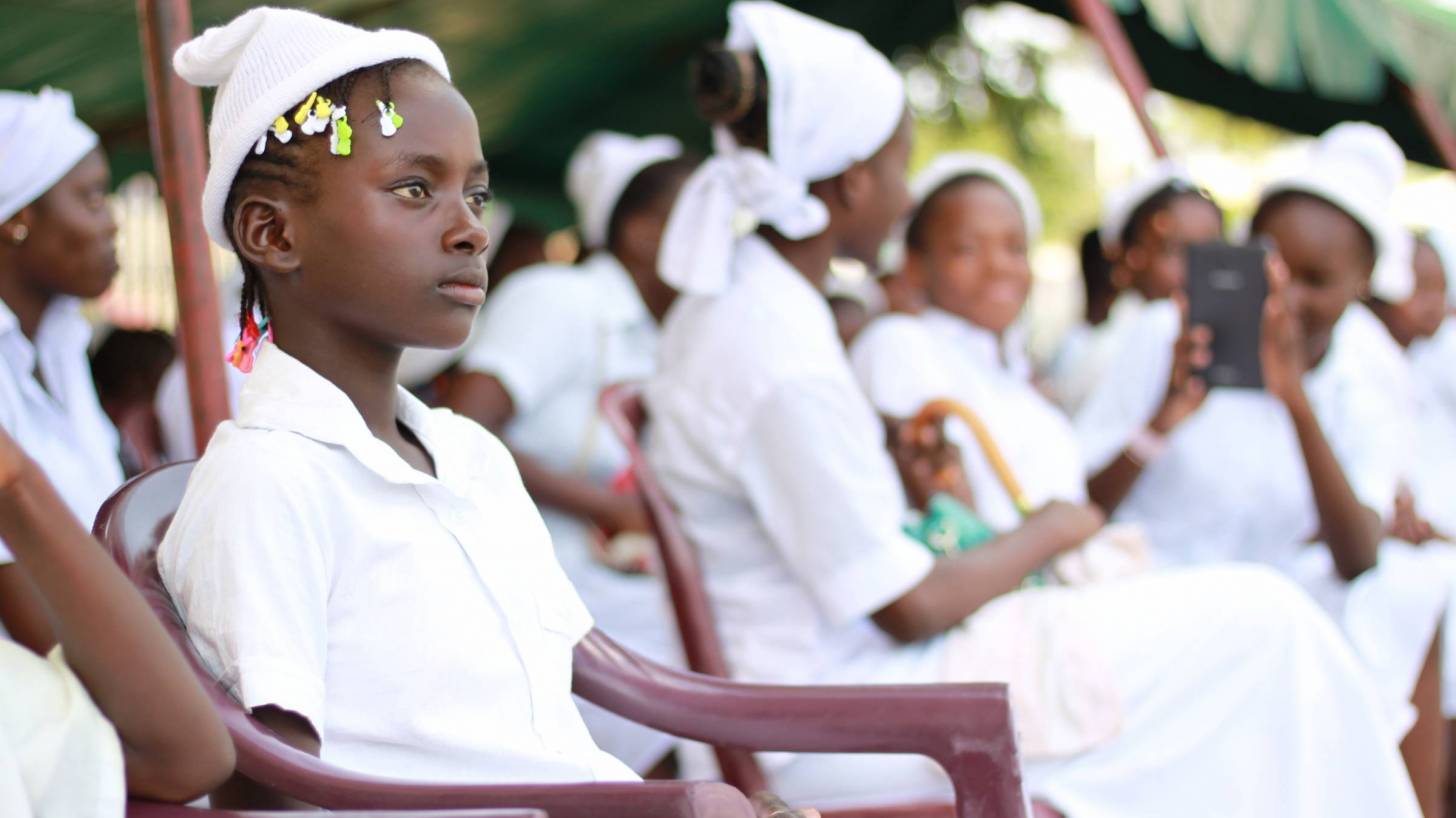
{"points": [[421, 624], [1232, 482], [59, 424], [777, 466], [905, 361]]}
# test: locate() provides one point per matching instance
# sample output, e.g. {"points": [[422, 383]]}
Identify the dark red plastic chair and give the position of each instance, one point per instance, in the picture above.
{"points": [[151, 809], [965, 728], [994, 787]]}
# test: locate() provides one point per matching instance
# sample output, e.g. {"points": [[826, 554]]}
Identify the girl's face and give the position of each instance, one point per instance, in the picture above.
{"points": [[974, 261], [1329, 259], [391, 249], [1156, 260], [71, 247], [1420, 316]]}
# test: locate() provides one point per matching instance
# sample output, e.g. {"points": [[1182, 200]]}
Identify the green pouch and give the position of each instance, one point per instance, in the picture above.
{"points": [[949, 527]]}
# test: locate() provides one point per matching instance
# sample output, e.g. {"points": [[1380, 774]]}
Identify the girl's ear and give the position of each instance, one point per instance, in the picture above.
{"points": [[263, 234]]}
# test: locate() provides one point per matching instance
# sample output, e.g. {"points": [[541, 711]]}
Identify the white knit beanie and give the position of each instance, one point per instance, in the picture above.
{"points": [[264, 64]]}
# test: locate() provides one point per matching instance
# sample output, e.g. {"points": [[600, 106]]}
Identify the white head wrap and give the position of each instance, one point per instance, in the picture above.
{"points": [[958, 164], [832, 101], [600, 170], [1120, 204], [1444, 243], [41, 140], [267, 61], [1356, 167]]}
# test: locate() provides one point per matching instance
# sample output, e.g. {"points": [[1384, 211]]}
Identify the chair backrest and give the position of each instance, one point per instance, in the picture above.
{"points": [[626, 414]]}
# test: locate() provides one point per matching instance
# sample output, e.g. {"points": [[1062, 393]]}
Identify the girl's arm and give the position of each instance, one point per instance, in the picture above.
{"points": [[484, 399], [173, 744], [21, 611], [1350, 529]]}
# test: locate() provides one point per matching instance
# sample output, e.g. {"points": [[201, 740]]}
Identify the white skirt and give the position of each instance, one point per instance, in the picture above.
{"points": [[1238, 697]]}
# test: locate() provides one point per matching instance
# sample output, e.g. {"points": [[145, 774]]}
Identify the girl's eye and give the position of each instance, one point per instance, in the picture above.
{"points": [[411, 190], [479, 198]]}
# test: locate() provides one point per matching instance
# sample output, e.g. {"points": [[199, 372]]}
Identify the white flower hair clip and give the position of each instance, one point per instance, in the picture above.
{"points": [[389, 119]]}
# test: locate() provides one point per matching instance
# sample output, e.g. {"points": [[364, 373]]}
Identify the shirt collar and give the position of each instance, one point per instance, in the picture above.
{"points": [[761, 267], [284, 394], [1006, 353]]}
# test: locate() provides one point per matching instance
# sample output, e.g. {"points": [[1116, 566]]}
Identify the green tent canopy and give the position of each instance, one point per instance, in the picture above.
{"points": [[543, 73]]}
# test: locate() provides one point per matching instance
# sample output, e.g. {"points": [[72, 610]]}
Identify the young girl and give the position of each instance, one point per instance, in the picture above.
{"points": [[1319, 453], [81, 731], [777, 465], [549, 341], [365, 575], [57, 247]]}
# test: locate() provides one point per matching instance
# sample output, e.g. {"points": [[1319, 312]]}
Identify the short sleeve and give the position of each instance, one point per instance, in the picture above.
{"points": [[532, 336], [895, 362], [829, 498], [1369, 419], [1131, 389], [248, 563]]}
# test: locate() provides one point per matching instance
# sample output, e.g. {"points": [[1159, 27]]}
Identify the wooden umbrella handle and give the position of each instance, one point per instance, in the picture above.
{"points": [[937, 410]]}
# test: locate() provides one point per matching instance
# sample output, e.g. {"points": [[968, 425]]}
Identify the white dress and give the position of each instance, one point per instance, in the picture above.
{"points": [[776, 463], [59, 424], [1232, 485], [555, 336]]}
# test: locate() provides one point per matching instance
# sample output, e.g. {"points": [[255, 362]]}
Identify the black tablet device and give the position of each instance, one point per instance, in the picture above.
{"points": [[1226, 289]]}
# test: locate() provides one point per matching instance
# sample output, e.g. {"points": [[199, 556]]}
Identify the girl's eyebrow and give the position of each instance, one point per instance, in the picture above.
{"points": [[434, 164]]}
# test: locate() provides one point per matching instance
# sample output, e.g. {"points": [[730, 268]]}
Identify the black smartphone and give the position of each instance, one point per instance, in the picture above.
{"points": [[1226, 290]]}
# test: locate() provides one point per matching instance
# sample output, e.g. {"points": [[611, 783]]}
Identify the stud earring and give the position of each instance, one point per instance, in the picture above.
{"points": [[19, 234], [341, 138], [389, 119]]}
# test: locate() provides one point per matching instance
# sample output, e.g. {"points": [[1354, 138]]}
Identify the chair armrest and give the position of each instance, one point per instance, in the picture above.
{"points": [[966, 728], [153, 809]]}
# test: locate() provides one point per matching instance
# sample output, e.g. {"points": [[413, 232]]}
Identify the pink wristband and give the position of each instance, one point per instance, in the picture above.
{"points": [[1145, 446]]}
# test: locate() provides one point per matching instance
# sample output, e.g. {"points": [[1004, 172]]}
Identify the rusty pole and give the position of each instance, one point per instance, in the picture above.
{"points": [[174, 114], [1433, 120], [1104, 26]]}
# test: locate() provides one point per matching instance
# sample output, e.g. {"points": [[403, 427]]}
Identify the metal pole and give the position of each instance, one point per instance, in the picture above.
{"points": [[174, 114], [1104, 26], [1433, 120]]}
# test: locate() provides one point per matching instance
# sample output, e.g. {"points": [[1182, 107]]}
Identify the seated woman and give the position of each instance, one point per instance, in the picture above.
{"points": [[366, 575], [1130, 699], [57, 247], [548, 342], [115, 710], [1319, 453]]}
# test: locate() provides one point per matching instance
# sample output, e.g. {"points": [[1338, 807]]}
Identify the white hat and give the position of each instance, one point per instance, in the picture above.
{"points": [[600, 170], [41, 140], [1120, 204], [265, 62], [833, 100], [958, 164], [1356, 167], [419, 365]]}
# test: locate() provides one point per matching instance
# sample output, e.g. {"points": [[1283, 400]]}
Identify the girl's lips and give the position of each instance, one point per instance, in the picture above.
{"points": [[467, 294]]}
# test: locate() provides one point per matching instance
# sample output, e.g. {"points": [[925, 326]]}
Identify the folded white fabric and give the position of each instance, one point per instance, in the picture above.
{"points": [[1356, 167], [600, 170], [41, 140], [264, 63], [833, 100], [1120, 204]]}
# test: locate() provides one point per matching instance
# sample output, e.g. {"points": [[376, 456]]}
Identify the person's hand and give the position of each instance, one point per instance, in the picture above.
{"points": [[1407, 524], [929, 464], [1186, 390], [1070, 524], [1281, 344], [623, 513]]}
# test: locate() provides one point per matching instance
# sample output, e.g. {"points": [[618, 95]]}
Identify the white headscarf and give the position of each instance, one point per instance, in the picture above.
{"points": [[1444, 243], [599, 172], [264, 63], [41, 140], [1120, 204], [832, 101], [1356, 167], [957, 164]]}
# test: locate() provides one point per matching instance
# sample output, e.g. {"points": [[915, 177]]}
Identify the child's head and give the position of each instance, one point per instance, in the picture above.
{"points": [[1421, 315], [968, 241], [348, 176], [1149, 225], [623, 188], [812, 139], [57, 234], [1329, 223]]}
